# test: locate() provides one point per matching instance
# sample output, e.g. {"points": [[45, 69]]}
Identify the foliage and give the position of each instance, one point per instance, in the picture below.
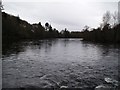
{"points": [[106, 33], [13, 29]]}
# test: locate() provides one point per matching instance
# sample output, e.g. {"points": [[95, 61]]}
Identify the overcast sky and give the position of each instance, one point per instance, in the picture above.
{"points": [[70, 14]]}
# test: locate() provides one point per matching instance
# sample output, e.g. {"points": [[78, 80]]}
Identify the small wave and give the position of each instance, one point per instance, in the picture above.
{"points": [[112, 81]]}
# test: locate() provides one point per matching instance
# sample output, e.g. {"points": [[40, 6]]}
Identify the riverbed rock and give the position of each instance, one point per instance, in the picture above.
{"points": [[111, 81], [63, 86], [104, 87]]}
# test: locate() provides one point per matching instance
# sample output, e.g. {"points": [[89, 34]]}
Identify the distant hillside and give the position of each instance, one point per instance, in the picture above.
{"points": [[13, 28]]}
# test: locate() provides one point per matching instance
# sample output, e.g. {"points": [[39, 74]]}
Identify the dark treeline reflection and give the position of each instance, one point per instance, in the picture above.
{"points": [[13, 48], [16, 29], [22, 45]]}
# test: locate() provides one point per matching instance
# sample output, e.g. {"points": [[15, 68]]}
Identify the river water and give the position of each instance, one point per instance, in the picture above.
{"points": [[55, 63]]}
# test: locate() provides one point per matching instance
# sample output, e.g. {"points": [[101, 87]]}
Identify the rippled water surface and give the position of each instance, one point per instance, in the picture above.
{"points": [[59, 62]]}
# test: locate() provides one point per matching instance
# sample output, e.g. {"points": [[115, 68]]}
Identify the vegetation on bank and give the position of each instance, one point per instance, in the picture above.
{"points": [[108, 32], [105, 35], [13, 28]]}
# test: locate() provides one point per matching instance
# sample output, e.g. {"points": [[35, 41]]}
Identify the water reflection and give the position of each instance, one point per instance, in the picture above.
{"points": [[13, 48], [22, 46], [103, 48], [65, 42], [45, 63], [17, 47]]}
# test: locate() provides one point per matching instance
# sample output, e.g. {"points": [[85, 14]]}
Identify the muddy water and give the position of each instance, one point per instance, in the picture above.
{"points": [[57, 63]]}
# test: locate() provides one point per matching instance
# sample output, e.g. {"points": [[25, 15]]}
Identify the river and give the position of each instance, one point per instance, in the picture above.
{"points": [[55, 63]]}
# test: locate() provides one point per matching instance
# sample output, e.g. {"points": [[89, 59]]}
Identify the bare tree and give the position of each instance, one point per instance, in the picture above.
{"points": [[119, 12], [1, 6], [86, 28], [115, 18], [106, 18]]}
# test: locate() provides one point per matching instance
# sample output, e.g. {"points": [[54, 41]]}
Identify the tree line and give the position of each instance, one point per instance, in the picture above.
{"points": [[108, 32], [13, 28]]}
